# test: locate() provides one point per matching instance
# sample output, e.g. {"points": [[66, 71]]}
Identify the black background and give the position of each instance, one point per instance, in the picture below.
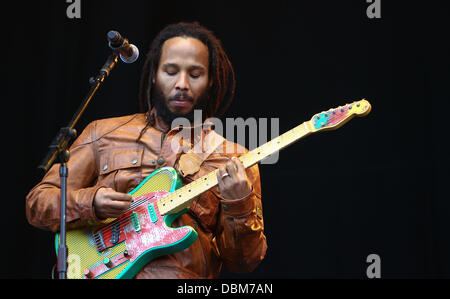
{"points": [[377, 185]]}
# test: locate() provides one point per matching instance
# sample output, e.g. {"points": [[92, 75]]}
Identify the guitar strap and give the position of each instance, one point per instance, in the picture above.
{"points": [[190, 162]]}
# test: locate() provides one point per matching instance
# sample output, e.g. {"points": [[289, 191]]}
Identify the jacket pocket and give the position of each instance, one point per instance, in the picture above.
{"points": [[120, 167], [120, 158]]}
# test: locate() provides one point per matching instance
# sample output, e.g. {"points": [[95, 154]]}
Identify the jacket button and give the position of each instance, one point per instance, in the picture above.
{"points": [[161, 161], [105, 167], [134, 161]]}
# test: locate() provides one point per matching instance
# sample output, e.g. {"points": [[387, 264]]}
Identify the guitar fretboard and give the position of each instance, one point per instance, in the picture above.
{"points": [[182, 198]]}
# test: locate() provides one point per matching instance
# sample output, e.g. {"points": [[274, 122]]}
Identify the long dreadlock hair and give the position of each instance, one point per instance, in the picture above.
{"points": [[221, 91]]}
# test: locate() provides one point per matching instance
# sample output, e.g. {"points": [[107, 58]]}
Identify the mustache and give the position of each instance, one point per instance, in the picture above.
{"points": [[181, 96]]}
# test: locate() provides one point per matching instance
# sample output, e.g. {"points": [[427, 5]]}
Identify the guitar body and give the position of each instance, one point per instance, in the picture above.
{"points": [[119, 248]]}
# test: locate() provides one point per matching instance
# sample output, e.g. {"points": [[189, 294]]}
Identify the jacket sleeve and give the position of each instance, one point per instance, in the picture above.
{"points": [[43, 201], [240, 236]]}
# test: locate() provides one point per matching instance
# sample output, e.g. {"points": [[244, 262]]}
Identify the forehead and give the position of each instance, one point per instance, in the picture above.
{"points": [[184, 51]]}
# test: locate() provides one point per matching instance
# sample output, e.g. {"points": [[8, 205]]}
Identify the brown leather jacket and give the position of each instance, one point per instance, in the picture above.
{"points": [[106, 154]]}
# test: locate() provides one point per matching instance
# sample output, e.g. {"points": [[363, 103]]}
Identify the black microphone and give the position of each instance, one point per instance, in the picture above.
{"points": [[129, 53]]}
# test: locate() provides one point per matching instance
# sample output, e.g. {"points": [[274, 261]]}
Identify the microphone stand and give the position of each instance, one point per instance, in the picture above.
{"points": [[59, 150]]}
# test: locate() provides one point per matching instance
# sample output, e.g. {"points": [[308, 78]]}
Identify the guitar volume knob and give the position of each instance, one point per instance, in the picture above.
{"points": [[108, 263], [88, 273], [128, 253]]}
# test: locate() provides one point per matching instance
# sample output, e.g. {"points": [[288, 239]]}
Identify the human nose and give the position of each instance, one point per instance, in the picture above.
{"points": [[182, 82]]}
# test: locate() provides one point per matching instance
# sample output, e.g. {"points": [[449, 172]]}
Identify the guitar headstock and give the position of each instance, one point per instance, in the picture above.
{"points": [[335, 118]]}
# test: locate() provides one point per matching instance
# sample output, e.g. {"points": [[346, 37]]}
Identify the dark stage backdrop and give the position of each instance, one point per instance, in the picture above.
{"points": [[379, 185]]}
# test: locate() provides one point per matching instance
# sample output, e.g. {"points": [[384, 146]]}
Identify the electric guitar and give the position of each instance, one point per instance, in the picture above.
{"points": [[119, 248]]}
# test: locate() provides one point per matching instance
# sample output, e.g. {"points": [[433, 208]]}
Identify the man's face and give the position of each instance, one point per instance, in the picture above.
{"points": [[182, 75]]}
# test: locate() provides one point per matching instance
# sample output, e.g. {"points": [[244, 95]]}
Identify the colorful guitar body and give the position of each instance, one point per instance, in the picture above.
{"points": [[120, 247]]}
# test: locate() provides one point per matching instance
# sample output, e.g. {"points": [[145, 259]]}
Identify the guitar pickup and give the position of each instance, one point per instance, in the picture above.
{"points": [[115, 233], [152, 213], [135, 221]]}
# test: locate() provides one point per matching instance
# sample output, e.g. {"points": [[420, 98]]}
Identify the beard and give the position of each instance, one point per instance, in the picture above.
{"points": [[159, 101]]}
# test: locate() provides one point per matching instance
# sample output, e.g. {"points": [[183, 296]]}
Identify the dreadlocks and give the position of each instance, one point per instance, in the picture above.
{"points": [[221, 71]]}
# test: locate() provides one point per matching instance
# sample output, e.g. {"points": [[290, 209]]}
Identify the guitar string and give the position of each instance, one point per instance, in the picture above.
{"points": [[116, 221], [142, 201], [213, 174], [208, 177], [107, 230], [191, 186], [138, 202], [195, 184]]}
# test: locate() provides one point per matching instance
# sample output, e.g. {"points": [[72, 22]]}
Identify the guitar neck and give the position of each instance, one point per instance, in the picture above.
{"points": [[275, 144], [182, 198]]}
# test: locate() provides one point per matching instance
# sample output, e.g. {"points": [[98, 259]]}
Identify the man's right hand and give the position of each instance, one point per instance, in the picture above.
{"points": [[110, 204]]}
